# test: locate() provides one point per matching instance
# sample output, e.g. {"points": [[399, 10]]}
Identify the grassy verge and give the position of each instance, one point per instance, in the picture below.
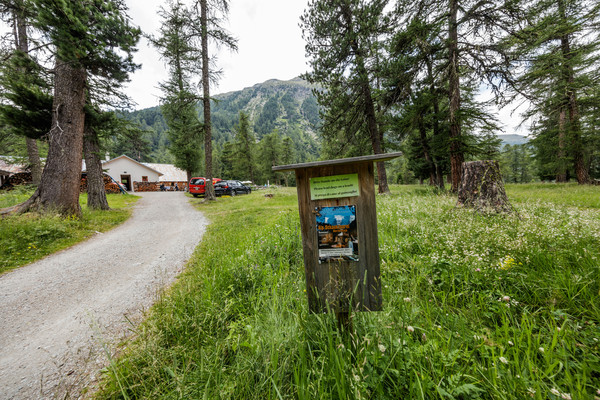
{"points": [[569, 194], [31, 236], [490, 307]]}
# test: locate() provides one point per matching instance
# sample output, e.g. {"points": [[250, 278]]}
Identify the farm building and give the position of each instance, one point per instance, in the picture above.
{"points": [[137, 176], [171, 175], [127, 171], [8, 168]]}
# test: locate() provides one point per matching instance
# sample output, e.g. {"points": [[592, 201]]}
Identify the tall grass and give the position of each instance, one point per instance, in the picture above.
{"points": [[490, 307], [31, 236]]}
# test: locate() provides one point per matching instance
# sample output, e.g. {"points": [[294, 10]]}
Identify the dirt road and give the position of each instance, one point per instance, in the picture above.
{"points": [[60, 315]]}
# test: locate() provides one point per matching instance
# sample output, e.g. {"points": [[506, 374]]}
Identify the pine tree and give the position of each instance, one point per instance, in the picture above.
{"points": [[557, 50], [270, 155], [244, 149], [179, 45], [212, 12], [342, 46], [25, 89], [90, 38]]}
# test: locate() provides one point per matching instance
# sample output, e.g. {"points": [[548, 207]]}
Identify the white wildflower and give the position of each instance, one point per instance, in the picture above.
{"points": [[381, 348], [410, 329], [541, 349], [503, 360], [407, 299]]}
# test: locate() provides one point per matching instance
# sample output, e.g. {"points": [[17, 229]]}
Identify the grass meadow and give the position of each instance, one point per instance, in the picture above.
{"points": [[31, 236], [475, 307]]}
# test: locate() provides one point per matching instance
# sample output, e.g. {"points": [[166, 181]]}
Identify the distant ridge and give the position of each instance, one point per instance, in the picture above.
{"points": [[288, 108], [513, 139]]}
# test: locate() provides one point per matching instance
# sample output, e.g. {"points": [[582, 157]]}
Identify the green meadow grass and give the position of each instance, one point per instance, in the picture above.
{"points": [[475, 307], [31, 236]]}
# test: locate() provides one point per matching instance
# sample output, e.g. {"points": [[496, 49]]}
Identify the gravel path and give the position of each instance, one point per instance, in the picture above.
{"points": [[60, 316]]}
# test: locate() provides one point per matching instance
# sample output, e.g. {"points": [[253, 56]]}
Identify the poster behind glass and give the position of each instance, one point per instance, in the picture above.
{"points": [[337, 233]]}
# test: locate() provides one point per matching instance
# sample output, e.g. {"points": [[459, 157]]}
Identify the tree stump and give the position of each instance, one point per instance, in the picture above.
{"points": [[482, 187]]}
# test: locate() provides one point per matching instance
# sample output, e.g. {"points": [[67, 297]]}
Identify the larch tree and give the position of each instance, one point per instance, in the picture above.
{"points": [[26, 109], [471, 56], [179, 45], [90, 38], [212, 13], [558, 53], [245, 144], [22, 77], [22, 45], [342, 44]]}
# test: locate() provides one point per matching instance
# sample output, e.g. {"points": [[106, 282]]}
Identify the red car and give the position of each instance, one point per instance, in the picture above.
{"points": [[198, 185]]}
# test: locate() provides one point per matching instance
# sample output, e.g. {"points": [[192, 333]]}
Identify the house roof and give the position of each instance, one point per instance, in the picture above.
{"points": [[8, 167], [145, 165], [170, 173]]}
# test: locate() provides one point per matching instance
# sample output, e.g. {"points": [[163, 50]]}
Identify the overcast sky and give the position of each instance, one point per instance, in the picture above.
{"points": [[270, 46]]}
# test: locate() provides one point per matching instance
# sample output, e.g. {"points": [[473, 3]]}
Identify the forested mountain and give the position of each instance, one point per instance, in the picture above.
{"points": [[513, 139], [285, 107]]}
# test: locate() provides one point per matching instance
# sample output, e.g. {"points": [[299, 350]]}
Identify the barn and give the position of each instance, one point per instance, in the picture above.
{"points": [[171, 176], [8, 167], [127, 171], [137, 176]]}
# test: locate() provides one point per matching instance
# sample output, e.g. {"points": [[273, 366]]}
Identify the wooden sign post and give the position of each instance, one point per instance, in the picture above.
{"points": [[336, 200]]}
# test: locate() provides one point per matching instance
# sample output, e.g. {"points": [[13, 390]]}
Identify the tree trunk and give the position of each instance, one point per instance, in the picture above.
{"points": [[369, 104], [96, 193], [209, 189], [425, 148], [581, 171], [439, 176], [456, 151], [35, 163], [482, 188], [561, 167], [59, 186], [22, 44]]}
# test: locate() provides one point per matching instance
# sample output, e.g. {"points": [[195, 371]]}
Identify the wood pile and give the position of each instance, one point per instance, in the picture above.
{"points": [[146, 186], [109, 185], [21, 178], [112, 188]]}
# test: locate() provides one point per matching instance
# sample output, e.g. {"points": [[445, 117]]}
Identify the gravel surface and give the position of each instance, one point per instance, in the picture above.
{"points": [[61, 316]]}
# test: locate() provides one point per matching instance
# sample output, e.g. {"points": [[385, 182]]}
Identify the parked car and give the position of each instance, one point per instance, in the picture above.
{"points": [[198, 185], [231, 188]]}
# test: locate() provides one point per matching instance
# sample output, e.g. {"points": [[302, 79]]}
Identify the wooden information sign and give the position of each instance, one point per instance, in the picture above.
{"points": [[336, 201]]}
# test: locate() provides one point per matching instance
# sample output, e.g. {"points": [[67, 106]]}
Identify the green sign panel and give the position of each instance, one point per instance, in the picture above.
{"points": [[331, 187]]}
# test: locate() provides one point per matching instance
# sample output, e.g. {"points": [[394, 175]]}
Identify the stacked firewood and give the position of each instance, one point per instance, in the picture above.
{"points": [[21, 178], [146, 186], [109, 185]]}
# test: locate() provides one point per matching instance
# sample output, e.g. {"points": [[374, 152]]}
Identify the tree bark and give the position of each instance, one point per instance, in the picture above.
{"points": [[438, 176], [581, 171], [456, 151], [561, 167], [35, 163], [96, 193], [59, 186], [482, 188], [209, 189], [425, 148]]}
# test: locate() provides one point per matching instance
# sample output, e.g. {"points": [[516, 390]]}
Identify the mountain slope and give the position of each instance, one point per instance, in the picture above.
{"points": [[287, 107], [513, 139]]}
